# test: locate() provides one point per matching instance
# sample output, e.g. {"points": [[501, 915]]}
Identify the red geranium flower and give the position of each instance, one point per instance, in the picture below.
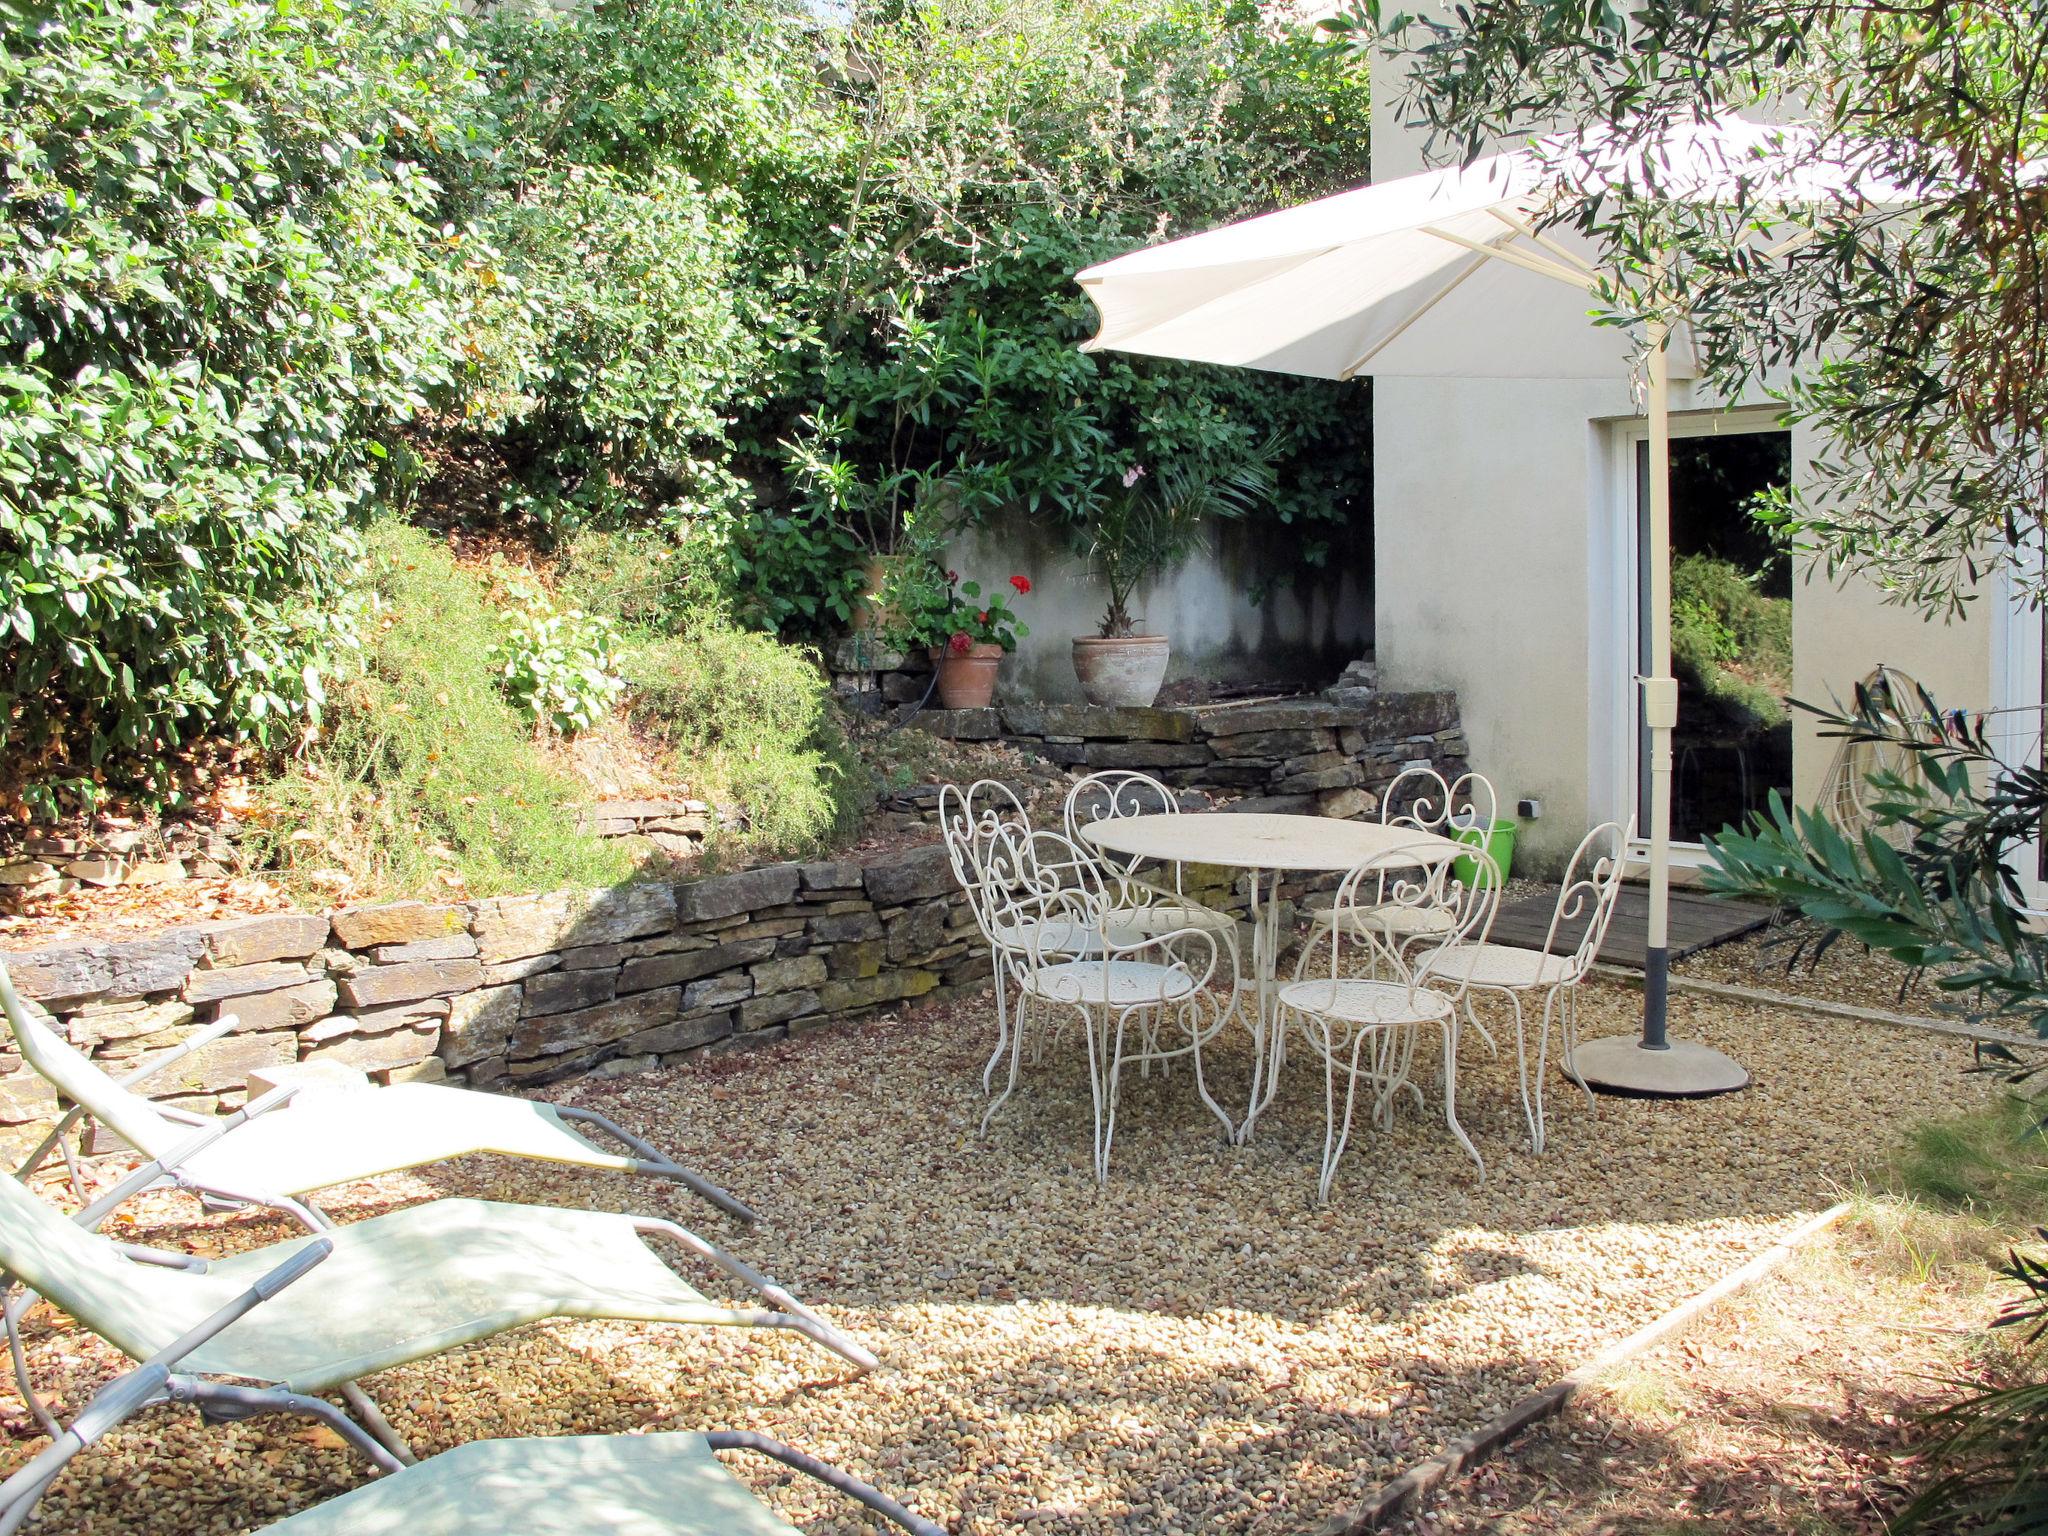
{"points": [[981, 617], [951, 577], [1021, 583], [960, 644]]}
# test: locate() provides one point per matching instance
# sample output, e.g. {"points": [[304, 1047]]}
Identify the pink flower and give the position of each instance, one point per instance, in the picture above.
{"points": [[960, 644], [1021, 583], [951, 577], [1133, 475]]}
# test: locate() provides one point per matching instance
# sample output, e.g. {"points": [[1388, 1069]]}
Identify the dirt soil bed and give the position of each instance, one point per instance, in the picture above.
{"points": [[1196, 1348], [1791, 1408]]}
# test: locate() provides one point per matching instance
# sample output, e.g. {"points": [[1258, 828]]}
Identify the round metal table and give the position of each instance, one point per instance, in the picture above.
{"points": [[1265, 845]]}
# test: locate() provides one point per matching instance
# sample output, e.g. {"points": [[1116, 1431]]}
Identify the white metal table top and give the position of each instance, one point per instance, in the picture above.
{"points": [[1260, 841]]}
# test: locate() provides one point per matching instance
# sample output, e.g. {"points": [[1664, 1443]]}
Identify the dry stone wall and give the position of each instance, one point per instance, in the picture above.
{"points": [[522, 990], [508, 991], [1305, 756]]}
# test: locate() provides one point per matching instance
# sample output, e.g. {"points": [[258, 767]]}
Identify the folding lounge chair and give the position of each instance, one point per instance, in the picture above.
{"points": [[398, 1287], [623, 1485], [327, 1136]]}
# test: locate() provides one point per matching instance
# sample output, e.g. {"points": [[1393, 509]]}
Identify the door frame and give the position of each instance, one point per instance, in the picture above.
{"points": [[1616, 597], [2018, 688]]}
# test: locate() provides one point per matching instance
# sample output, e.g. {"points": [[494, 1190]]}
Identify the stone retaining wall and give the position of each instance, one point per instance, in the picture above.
{"points": [[1305, 756], [521, 990], [514, 990]]}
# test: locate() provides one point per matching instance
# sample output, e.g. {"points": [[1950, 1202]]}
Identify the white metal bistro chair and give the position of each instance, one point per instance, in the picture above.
{"points": [[1592, 887], [1423, 799], [1143, 908], [1141, 1000], [1361, 998], [970, 821]]}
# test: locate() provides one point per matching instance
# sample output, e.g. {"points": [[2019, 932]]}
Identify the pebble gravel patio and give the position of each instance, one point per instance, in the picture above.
{"points": [[1195, 1348]]}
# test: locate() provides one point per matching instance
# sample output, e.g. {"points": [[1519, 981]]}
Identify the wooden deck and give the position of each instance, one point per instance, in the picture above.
{"points": [[1697, 922]]}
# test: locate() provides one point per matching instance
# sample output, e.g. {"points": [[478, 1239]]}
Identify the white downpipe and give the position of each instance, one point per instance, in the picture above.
{"points": [[1660, 689]]}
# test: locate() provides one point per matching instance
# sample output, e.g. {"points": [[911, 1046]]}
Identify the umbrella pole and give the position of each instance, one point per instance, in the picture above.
{"points": [[1655, 1066], [1660, 696]]}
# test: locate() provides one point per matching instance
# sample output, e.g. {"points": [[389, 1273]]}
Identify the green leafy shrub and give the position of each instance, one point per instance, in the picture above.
{"points": [[1731, 640], [224, 295], [561, 667], [424, 778], [745, 717]]}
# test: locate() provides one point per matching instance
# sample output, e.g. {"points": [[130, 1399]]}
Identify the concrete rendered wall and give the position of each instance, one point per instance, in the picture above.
{"points": [[1245, 609], [1497, 532]]}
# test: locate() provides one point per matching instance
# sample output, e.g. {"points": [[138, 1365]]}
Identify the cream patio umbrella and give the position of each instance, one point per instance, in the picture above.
{"points": [[1443, 274]]}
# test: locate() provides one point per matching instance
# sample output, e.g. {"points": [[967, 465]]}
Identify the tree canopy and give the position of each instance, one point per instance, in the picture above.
{"points": [[1913, 343]]}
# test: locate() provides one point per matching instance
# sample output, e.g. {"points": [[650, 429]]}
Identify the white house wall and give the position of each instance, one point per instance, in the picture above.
{"points": [[1496, 527]]}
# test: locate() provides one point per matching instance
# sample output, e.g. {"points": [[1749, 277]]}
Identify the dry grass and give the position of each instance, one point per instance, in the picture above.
{"points": [[1196, 1348]]}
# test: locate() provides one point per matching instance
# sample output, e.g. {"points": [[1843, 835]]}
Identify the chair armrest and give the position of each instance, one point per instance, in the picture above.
{"points": [[197, 1040], [1163, 942], [845, 1482]]}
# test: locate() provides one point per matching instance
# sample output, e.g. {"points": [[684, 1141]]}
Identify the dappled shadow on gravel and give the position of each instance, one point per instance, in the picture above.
{"points": [[1196, 1347]]}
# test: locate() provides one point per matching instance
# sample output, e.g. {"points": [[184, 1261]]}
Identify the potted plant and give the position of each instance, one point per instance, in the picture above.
{"points": [[1142, 529], [966, 634]]}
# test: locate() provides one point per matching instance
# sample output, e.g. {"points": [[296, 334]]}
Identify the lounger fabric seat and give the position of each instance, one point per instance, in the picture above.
{"points": [[329, 1136], [398, 1287], [576, 1485]]}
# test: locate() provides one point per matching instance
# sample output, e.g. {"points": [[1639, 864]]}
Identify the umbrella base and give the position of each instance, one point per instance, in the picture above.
{"points": [[1620, 1065]]}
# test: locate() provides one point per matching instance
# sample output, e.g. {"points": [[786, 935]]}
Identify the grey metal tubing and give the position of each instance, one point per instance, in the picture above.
{"points": [[651, 1160], [844, 1482], [135, 1390], [199, 1039], [11, 1309], [805, 1320], [166, 1169], [380, 1427], [163, 1258], [221, 1402]]}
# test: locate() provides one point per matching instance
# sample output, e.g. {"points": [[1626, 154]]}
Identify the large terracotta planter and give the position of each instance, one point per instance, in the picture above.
{"points": [[967, 679], [1126, 672]]}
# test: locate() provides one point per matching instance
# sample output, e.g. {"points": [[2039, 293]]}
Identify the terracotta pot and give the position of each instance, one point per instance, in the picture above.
{"points": [[1125, 672], [967, 679]]}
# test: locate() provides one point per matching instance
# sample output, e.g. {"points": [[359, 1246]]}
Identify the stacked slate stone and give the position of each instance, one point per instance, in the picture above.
{"points": [[514, 990], [1302, 756]]}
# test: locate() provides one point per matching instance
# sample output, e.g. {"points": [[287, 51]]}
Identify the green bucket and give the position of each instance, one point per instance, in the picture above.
{"points": [[1499, 842]]}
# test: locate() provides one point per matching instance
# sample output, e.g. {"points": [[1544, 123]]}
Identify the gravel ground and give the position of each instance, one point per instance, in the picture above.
{"points": [[1195, 1348], [1780, 958]]}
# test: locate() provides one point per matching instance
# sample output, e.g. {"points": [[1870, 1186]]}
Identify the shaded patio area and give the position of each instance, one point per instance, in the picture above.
{"points": [[1196, 1347]]}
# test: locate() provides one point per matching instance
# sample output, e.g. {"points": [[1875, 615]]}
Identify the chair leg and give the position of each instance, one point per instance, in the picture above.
{"points": [[1542, 1059], [1532, 1111], [1002, 1028], [1570, 1020], [1016, 1062], [1450, 1028], [1191, 1012]]}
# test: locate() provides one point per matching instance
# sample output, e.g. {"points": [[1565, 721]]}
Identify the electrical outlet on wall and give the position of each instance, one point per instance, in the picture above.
{"points": [[1529, 810]]}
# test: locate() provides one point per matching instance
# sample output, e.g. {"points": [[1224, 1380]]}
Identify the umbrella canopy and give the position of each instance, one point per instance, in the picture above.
{"points": [[1335, 288], [1451, 273]]}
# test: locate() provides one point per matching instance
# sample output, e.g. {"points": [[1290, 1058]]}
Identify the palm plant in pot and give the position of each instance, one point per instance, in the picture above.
{"points": [[1142, 529]]}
